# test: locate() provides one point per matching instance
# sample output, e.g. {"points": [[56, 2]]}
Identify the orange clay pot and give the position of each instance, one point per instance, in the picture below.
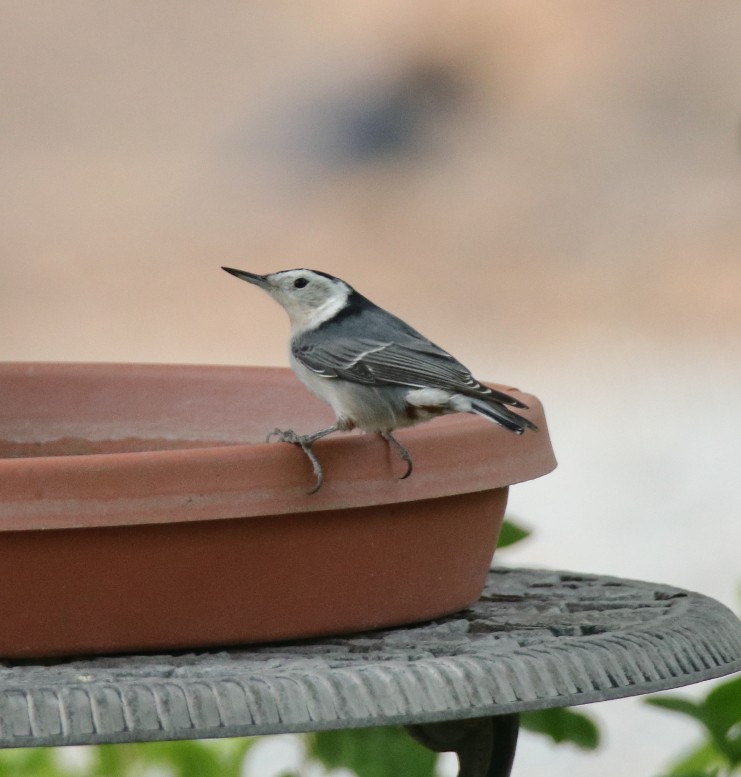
{"points": [[141, 509]]}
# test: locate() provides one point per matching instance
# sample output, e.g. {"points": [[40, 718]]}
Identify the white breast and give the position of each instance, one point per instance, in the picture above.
{"points": [[371, 408], [321, 387]]}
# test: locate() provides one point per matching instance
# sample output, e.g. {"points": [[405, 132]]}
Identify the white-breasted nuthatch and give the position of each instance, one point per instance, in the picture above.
{"points": [[376, 372]]}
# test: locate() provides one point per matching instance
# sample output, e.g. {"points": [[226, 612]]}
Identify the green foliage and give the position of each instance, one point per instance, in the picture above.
{"points": [[703, 761], [373, 752], [719, 714], [222, 758], [181, 759], [563, 725], [34, 762], [511, 533]]}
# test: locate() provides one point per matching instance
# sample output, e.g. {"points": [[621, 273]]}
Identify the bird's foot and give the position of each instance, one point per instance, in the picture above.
{"points": [[403, 452], [304, 442], [284, 435]]}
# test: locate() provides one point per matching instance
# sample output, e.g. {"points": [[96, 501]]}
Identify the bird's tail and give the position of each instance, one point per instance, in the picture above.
{"points": [[497, 412]]}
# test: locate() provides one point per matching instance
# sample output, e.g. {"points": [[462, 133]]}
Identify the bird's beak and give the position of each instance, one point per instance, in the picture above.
{"points": [[250, 277]]}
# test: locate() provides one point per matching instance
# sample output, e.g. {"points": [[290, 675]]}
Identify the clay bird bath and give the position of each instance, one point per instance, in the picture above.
{"points": [[141, 509]]}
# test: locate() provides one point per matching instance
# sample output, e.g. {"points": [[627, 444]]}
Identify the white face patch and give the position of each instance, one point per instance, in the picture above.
{"points": [[309, 299]]}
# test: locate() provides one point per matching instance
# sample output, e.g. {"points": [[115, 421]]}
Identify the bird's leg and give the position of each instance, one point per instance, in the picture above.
{"points": [[305, 441], [403, 452]]}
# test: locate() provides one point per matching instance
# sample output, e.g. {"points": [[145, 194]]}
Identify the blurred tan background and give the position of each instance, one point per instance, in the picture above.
{"points": [[550, 191]]}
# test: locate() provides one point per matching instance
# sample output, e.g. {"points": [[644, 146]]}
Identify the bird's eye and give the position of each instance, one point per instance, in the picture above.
{"points": [[299, 283]]}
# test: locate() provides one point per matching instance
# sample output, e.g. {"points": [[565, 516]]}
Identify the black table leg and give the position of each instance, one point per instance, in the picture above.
{"points": [[485, 746]]}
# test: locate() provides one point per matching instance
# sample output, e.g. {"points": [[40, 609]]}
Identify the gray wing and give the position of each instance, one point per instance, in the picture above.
{"points": [[409, 359]]}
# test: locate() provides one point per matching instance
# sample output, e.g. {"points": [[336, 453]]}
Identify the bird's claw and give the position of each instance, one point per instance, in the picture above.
{"points": [[402, 451], [284, 435], [304, 442]]}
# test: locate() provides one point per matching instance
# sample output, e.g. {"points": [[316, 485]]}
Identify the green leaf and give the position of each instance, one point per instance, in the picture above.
{"points": [[197, 758], [704, 761], [231, 752], [719, 713], [678, 704], [186, 759], [722, 708], [30, 762], [373, 752], [563, 725], [113, 760], [511, 533], [104, 760]]}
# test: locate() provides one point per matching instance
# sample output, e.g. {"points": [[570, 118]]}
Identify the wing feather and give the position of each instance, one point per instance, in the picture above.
{"points": [[410, 360]]}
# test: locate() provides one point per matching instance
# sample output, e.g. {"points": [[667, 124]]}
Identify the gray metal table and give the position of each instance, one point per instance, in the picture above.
{"points": [[535, 639]]}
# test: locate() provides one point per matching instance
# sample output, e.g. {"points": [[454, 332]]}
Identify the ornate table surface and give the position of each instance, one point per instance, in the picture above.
{"points": [[535, 639]]}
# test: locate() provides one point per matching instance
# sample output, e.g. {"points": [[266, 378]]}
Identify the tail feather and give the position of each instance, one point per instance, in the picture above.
{"points": [[494, 395], [500, 414]]}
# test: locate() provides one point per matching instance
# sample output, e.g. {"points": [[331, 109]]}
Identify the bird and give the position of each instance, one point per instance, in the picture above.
{"points": [[376, 372]]}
